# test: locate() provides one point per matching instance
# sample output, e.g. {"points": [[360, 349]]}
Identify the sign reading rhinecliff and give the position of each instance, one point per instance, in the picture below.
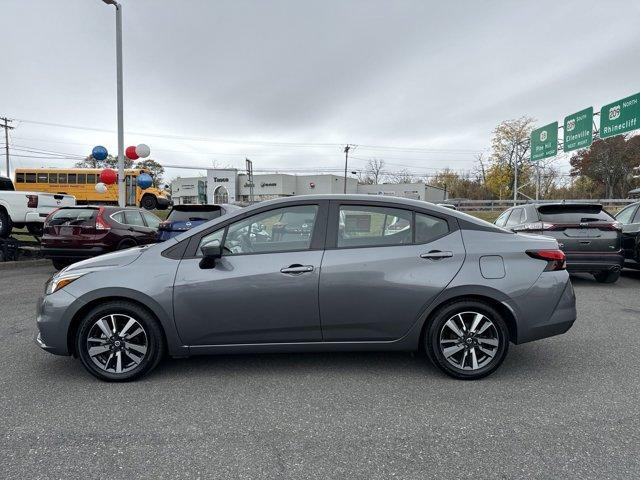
{"points": [[620, 117]]}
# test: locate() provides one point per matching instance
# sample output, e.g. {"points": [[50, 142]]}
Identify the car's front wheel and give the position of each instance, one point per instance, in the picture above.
{"points": [[119, 341], [467, 339]]}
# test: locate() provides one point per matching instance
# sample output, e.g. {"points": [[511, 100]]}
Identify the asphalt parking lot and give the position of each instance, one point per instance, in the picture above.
{"points": [[565, 407]]}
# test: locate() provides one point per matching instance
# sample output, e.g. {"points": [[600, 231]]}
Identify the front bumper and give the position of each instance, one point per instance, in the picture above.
{"points": [[594, 262], [54, 315], [53, 252]]}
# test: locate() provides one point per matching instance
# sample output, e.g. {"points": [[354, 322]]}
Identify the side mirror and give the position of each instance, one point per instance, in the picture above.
{"points": [[210, 253]]}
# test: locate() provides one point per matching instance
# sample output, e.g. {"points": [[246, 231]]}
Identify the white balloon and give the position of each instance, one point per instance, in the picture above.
{"points": [[143, 151], [101, 187]]}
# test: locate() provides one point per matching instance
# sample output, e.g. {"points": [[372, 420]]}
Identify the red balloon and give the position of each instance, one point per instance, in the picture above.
{"points": [[108, 176], [131, 154]]}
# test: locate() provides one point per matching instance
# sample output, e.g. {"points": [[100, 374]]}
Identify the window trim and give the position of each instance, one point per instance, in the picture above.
{"points": [[334, 215], [317, 239]]}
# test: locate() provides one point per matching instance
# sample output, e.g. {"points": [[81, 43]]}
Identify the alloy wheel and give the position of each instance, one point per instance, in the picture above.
{"points": [[117, 343], [469, 340]]}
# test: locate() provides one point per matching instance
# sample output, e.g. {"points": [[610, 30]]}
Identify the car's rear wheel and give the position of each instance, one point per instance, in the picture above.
{"points": [[467, 339], [5, 224], [608, 276], [119, 341]]}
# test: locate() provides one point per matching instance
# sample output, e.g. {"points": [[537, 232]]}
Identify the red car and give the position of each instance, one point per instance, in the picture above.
{"points": [[75, 233]]}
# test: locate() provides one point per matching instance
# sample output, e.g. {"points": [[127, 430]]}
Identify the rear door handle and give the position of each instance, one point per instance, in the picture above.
{"points": [[296, 269], [436, 255]]}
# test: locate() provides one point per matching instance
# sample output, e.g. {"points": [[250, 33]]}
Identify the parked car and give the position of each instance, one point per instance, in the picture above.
{"points": [[27, 209], [589, 235], [450, 284], [629, 218], [76, 233], [184, 217]]}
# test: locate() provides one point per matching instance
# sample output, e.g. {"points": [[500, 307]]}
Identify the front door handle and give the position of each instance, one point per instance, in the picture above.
{"points": [[296, 269], [436, 255]]}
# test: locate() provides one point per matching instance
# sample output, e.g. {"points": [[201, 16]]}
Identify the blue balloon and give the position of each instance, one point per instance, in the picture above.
{"points": [[99, 152], [144, 180]]}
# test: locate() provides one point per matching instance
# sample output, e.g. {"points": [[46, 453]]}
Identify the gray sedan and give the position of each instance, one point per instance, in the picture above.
{"points": [[314, 273]]}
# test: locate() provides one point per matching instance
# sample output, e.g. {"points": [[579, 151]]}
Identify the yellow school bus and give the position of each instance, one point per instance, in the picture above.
{"points": [[81, 183]]}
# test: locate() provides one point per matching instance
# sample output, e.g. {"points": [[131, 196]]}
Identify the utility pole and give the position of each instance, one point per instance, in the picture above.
{"points": [[6, 127], [346, 162]]}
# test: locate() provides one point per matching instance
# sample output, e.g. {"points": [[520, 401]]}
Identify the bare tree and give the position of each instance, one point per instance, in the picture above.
{"points": [[403, 176]]}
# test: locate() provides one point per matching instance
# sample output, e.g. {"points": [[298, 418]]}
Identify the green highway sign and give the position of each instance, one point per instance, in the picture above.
{"points": [[620, 117], [578, 130], [544, 142]]}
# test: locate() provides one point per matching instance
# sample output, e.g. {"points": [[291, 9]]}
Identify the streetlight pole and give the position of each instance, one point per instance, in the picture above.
{"points": [[121, 177]]}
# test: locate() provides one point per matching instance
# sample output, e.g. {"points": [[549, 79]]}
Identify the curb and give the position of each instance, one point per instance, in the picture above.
{"points": [[24, 264]]}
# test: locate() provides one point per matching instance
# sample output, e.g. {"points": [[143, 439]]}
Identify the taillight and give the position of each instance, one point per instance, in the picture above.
{"points": [[32, 201], [609, 226], [536, 226], [101, 224], [556, 259]]}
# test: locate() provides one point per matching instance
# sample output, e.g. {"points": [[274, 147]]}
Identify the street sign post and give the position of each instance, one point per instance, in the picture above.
{"points": [[620, 117], [578, 130], [544, 142]]}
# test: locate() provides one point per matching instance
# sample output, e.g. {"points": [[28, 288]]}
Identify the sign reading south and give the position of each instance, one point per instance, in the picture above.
{"points": [[544, 142], [578, 130], [620, 117]]}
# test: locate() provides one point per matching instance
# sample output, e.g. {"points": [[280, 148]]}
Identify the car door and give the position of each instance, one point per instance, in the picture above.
{"points": [[382, 267], [629, 217], [153, 223], [264, 289], [137, 228]]}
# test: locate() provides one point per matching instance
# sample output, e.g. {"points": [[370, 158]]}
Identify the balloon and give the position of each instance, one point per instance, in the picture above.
{"points": [[108, 176], [99, 152], [130, 153], [143, 150], [144, 180], [101, 188]]}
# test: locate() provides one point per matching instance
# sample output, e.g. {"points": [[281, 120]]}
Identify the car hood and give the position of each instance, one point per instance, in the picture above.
{"points": [[108, 260]]}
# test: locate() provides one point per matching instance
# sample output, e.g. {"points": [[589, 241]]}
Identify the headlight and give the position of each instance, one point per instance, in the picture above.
{"points": [[58, 282]]}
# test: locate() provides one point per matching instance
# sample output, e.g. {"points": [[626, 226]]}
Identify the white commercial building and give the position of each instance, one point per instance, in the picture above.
{"points": [[229, 186]]}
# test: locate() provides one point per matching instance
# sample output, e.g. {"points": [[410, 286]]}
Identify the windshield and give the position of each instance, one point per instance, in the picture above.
{"points": [[193, 215], [573, 214], [72, 216]]}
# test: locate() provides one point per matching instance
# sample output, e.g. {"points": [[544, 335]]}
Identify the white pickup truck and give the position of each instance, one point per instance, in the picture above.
{"points": [[27, 209]]}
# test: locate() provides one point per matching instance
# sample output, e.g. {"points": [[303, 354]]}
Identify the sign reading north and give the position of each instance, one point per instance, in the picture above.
{"points": [[620, 117], [578, 130], [544, 142]]}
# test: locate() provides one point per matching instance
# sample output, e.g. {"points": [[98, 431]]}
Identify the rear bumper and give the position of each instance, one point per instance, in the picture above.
{"points": [[539, 318], [597, 261], [163, 203], [54, 252]]}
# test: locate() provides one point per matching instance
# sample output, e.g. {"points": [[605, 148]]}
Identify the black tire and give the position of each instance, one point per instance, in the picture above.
{"points": [[35, 229], [127, 243], [60, 263], [607, 276], [153, 335], [148, 202], [5, 224], [436, 327]]}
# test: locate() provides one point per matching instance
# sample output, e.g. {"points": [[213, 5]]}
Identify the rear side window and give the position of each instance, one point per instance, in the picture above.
{"points": [[72, 216], [82, 178], [516, 217], [573, 213], [62, 178], [53, 178], [151, 219], [91, 178], [429, 228], [133, 217], [363, 226], [502, 219]]}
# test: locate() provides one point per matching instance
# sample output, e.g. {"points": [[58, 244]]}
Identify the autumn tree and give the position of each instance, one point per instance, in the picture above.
{"points": [[157, 170]]}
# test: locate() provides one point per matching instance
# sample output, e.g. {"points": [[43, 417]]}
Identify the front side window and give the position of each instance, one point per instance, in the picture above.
{"points": [[280, 230], [363, 226], [625, 215]]}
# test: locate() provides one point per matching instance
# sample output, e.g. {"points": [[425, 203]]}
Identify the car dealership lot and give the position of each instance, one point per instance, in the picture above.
{"points": [[561, 407]]}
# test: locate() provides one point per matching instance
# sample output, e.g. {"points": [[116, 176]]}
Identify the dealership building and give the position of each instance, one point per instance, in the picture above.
{"points": [[230, 186]]}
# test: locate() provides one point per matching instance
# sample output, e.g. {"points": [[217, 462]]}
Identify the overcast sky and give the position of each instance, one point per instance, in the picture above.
{"points": [[286, 83]]}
